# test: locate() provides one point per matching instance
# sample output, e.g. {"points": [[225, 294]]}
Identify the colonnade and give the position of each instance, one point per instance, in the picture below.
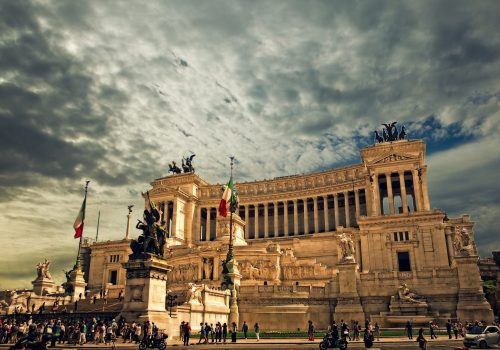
{"points": [[292, 217], [393, 184]]}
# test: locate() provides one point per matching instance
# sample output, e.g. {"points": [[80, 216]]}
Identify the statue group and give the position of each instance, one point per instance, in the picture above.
{"points": [[390, 133], [187, 166], [42, 270], [463, 242], [346, 246], [152, 239]]}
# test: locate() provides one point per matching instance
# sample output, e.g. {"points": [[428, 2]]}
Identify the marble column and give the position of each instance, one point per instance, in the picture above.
{"points": [[208, 230], [197, 228], [425, 192], [285, 218], [306, 217], [416, 189], [403, 191], [247, 221], [266, 220], [167, 219], [189, 218], [315, 206], [390, 196], [356, 203], [295, 217], [174, 219], [276, 221], [376, 196], [346, 209], [325, 213], [336, 209], [449, 244], [256, 222]]}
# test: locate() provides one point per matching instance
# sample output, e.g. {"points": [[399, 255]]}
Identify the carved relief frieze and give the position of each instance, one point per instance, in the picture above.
{"points": [[184, 273], [131, 274], [394, 157]]}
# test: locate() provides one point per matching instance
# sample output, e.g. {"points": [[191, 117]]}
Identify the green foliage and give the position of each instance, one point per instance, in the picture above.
{"points": [[489, 287], [393, 332]]}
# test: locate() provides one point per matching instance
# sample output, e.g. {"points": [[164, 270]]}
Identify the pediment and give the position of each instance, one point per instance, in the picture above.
{"points": [[393, 157]]}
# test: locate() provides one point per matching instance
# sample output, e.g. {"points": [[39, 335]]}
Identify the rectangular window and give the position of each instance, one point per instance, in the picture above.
{"points": [[404, 261], [395, 236], [407, 236], [113, 277], [401, 236]]}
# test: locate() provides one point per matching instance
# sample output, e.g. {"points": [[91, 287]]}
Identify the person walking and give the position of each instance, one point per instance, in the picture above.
{"points": [[234, 329], [245, 329], [377, 331], [202, 333], [83, 333], [207, 332], [356, 330], [224, 332], [448, 329], [186, 333], [455, 329], [218, 332], [335, 331], [181, 331], [422, 342], [310, 330], [409, 329], [432, 327], [256, 328]]}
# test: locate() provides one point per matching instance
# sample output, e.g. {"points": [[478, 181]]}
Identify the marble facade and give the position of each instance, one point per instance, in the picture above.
{"points": [[288, 248]]}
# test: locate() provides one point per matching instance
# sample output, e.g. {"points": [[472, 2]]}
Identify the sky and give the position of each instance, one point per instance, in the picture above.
{"points": [[113, 91]]}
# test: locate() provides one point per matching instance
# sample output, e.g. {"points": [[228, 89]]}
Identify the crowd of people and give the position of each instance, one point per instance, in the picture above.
{"points": [[77, 332], [209, 332]]}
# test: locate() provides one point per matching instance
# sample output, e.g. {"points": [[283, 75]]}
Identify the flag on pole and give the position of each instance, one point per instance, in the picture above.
{"points": [[78, 225], [229, 197]]}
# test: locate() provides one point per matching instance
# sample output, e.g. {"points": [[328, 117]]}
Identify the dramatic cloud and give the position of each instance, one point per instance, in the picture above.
{"points": [[113, 91]]}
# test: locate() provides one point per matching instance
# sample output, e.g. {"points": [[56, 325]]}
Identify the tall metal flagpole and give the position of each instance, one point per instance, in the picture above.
{"points": [[231, 209], [78, 261], [97, 231]]}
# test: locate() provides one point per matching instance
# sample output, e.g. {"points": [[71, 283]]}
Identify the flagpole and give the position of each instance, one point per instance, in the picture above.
{"points": [[78, 264], [230, 249], [97, 231]]}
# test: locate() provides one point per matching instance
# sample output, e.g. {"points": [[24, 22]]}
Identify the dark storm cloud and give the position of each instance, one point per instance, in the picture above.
{"points": [[54, 114]]}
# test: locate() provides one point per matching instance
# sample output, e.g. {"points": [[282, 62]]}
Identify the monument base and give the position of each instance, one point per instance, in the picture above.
{"points": [[348, 303], [472, 305], [349, 309], [78, 282], [43, 286], [399, 308], [145, 292]]}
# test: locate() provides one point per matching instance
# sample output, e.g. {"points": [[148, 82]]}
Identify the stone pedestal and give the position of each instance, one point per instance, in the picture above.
{"points": [[399, 307], [78, 282], [472, 305], [348, 303], [222, 234], [145, 292], [43, 285]]}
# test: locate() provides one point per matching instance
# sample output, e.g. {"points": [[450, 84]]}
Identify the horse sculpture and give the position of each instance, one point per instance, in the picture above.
{"points": [[174, 169]]}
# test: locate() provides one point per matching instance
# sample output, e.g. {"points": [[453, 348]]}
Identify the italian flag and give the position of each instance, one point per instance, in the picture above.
{"points": [[228, 197], [78, 225]]}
